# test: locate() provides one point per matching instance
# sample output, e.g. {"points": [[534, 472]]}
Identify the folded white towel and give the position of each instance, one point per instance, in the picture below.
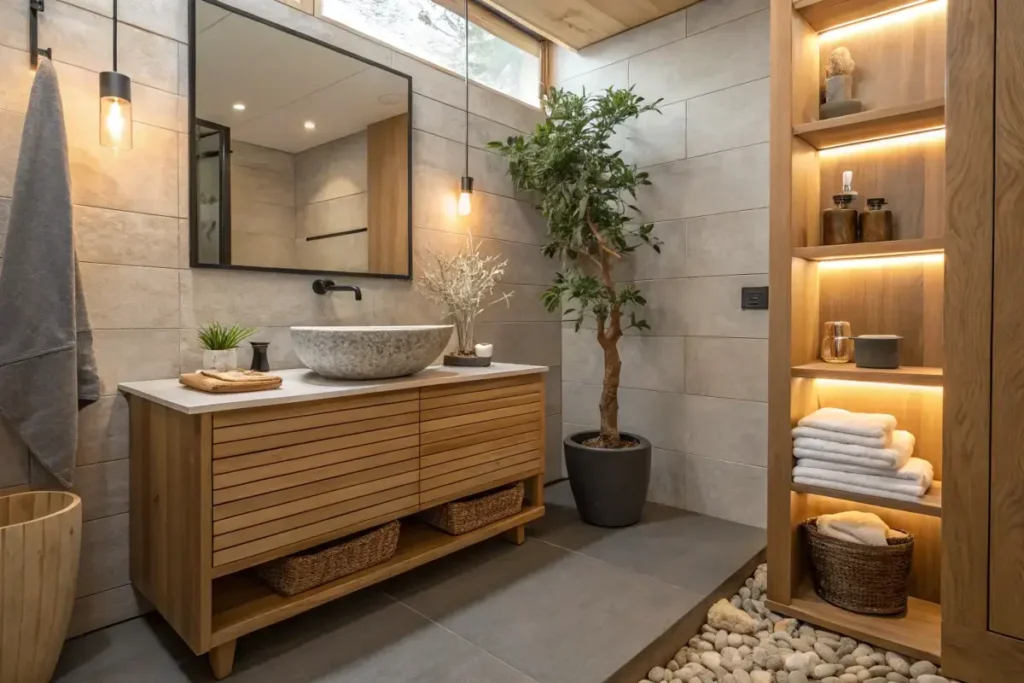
{"points": [[853, 488], [839, 437], [912, 471], [893, 457], [911, 487], [873, 425], [865, 528]]}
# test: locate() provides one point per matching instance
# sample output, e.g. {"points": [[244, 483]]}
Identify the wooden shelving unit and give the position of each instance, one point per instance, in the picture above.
{"points": [[923, 377], [917, 633], [835, 252], [900, 79], [930, 504], [243, 604], [874, 124], [822, 15]]}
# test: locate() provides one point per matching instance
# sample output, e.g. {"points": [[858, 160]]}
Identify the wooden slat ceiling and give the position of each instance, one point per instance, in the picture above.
{"points": [[578, 23]]}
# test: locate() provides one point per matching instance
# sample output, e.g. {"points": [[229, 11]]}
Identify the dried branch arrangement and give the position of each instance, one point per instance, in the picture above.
{"points": [[462, 282]]}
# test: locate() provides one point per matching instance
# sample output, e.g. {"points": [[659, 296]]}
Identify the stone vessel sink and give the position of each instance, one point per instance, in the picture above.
{"points": [[369, 352]]}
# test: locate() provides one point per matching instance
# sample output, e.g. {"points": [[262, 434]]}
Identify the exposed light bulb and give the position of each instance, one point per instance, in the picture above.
{"points": [[115, 122], [238, 106], [466, 196], [309, 125], [115, 110]]}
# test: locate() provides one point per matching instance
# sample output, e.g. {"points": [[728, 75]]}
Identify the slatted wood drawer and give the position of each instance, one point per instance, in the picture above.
{"points": [[479, 436], [288, 477]]}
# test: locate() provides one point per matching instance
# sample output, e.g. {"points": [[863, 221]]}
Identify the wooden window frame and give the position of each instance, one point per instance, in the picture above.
{"points": [[497, 25]]}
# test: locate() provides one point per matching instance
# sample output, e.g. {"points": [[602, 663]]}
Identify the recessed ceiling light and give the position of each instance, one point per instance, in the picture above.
{"points": [[238, 106], [309, 125], [389, 98]]}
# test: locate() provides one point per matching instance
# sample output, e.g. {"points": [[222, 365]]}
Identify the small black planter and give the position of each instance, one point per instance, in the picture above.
{"points": [[609, 484]]}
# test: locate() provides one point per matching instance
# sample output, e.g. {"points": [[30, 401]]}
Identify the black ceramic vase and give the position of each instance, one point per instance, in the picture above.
{"points": [[260, 361], [608, 484]]}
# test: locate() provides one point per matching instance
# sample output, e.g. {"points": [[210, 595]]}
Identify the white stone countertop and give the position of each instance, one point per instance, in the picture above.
{"points": [[305, 385]]}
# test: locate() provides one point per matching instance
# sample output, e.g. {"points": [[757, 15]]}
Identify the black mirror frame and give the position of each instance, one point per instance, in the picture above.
{"points": [[193, 242]]}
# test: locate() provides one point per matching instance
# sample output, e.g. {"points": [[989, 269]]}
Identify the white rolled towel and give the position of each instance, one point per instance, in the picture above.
{"points": [[871, 425], [865, 528], [806, 445], [916, 482]]}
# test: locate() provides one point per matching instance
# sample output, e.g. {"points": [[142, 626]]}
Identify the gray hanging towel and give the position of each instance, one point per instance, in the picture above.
{"points": [[47, 367]]}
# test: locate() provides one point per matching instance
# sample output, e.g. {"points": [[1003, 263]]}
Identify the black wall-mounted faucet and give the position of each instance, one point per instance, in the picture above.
{"points": [[324, 286]]}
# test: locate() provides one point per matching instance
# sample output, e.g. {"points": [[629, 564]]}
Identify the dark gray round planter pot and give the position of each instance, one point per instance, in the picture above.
{"points": [[609, 485]]}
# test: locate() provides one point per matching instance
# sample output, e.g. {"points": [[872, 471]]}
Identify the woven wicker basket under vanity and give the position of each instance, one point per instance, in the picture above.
{"points": [[301, 572], [462, 516], [860, 578]]}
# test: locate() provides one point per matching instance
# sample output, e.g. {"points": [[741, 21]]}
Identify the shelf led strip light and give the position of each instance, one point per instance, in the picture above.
{"points": [[897, 15], [900, 140], [881, 261], [874, 386]]}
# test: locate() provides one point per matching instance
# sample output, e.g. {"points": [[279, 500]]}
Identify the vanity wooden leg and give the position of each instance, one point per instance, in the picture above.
{"points": [[535, 489], [516, 535], [222, 659]]}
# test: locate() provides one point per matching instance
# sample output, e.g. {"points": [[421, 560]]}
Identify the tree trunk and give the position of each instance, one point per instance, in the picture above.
{"points": [[609, 405]]}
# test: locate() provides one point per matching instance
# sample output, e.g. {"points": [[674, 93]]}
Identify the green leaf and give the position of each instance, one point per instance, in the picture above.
{"points": [[218, 337], [572, 163]]}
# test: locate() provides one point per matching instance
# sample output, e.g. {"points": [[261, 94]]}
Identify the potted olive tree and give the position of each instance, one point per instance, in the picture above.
{"points": [[586, 190]]}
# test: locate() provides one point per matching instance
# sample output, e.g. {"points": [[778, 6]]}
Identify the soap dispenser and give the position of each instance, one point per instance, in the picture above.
{"points": [[876, 222], [839, 224]]}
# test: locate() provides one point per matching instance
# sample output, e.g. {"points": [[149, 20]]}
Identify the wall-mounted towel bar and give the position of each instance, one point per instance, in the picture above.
{"points": [[35, 7], [337, 234]]}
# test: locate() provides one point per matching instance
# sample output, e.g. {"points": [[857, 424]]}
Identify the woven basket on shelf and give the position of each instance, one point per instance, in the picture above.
{"points": [[297, 573], [462, 516], [860, 578]]}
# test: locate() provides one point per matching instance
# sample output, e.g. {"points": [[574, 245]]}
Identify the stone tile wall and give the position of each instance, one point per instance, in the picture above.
{"points": [[331, 196], [131, 224], [696, 384], [263, 210]]}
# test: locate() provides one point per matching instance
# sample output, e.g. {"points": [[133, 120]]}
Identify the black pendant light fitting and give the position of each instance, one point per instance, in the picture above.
{"points": [[466, 188], [115, 104]]}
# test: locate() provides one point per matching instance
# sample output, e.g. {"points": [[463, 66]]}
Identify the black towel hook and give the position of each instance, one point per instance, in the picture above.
{"points": [[35, 7]]}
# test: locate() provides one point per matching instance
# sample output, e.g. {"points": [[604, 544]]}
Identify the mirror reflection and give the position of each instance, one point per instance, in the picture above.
{"points": [[301, 155]]}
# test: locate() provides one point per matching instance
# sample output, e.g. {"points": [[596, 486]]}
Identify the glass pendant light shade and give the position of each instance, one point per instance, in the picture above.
{"points": [[466, 196], [115, 110]]}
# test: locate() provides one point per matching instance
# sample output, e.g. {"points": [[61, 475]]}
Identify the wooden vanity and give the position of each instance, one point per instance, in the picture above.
{"points": [[222, 483]]}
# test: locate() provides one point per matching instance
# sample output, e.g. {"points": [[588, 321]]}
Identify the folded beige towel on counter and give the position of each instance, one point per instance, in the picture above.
{"points": [[872, 425], [916, 482], [864, 528], [891, 458], [234, 381]]}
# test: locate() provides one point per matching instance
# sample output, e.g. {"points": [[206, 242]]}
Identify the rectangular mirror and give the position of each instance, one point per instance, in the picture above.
{"points": [[301, 152]]}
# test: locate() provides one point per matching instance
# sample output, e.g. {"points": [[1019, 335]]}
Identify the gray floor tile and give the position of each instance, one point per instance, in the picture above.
{"points": [[682, 548], [365, 638], [556, 615], [144, 649], [570, 606]]}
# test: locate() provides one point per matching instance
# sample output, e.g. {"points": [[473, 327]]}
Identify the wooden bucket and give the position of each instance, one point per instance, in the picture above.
{"points": [[40, 542]]}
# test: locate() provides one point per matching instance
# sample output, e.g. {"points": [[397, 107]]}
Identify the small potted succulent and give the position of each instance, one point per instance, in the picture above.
{"points": [[463, 282], [220, 345], [585, 190]]}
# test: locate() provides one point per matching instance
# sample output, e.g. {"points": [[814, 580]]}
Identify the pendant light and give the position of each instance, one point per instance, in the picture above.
{"points": [[466, 193], [115, 104]]}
